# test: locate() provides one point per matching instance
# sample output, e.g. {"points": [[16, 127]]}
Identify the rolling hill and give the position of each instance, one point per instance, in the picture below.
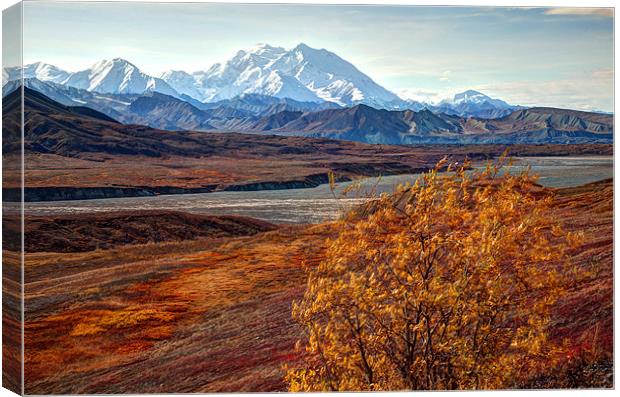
{"points": [[365, 124]]}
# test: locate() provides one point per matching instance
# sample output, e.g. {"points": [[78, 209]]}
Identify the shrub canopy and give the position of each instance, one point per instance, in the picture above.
{"points": [[446, 284]]}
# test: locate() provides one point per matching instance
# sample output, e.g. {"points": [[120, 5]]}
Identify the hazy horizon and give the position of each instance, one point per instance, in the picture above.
{"points": [[525, 56]]}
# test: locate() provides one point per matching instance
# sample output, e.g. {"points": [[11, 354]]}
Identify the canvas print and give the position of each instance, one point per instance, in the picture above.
{"points": [[203, 197]]}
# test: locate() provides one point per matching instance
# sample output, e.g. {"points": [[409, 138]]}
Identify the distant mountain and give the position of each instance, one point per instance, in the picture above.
{"points": [[55, 91], [78, 132], [117, 76], [39, 70], [113, 105], [553, 120], [167, 112], [264, 114], [474, 104], [259, 104], [366, 124], [303, 73], [151, 108], [81, 132]]}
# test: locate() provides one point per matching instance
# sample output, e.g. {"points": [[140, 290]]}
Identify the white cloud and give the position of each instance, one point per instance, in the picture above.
{"points": [[605, 12], [589, 91], [445, 76], [420, 95]]}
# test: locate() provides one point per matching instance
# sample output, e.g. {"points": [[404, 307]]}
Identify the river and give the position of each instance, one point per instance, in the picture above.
{"points": [[318, 204]]}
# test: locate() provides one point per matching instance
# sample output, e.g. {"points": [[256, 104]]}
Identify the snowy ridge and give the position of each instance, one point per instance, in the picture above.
{"points": [[302, 73], [39, 70], [117, 76]]}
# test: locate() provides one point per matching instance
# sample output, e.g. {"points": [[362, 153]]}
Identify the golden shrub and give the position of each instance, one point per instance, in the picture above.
{"points": [[446, 284]]}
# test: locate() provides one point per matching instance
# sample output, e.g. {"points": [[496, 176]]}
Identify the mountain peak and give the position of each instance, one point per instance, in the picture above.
{"points": [[263, 46], [474, 103], [117, 62], [472, 93], [41, 71], [173, 72], [262, 49], [303, 47], [469, 95], [306, 49], [117, 76], [41, 66], [119, 65]]}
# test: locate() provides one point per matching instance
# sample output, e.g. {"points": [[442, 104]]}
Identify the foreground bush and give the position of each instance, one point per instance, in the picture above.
{"points": [[447, 284]]}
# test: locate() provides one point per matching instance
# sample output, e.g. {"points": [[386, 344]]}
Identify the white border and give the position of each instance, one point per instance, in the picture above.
{"points": [[485, 3]]}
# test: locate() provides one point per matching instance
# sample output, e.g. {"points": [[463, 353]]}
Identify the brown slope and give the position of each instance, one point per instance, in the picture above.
{"points": [[362, 123], [366, 124], [166, 112], [552, 118], [87, 232], [53, 128]]}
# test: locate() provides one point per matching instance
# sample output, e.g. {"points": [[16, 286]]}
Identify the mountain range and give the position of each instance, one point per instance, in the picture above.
{"points": [[258, 114], [158, 110], [365, 124], [303, 74], [301, 91]]}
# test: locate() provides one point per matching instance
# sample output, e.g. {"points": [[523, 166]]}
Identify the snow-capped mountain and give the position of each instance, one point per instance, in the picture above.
{"points": [[39, 70], [474, 103], [301, 73], [117, 76], [183, 82], [473, 97]]}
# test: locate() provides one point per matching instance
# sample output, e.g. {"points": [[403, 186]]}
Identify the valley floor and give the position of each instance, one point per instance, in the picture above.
{"points": [[242, 162], [214, 313]]}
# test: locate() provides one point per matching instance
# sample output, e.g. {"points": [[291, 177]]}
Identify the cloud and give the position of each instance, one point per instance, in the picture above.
{"points": [[604, 12], [420, 95], [445, 76], [588, 91]]}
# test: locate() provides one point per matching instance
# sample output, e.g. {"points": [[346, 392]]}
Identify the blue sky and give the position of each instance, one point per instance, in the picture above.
{"points": [[527, 56]]}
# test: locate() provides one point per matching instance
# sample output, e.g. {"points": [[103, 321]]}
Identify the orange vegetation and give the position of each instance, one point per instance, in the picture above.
{"points": [[448, 284], [214, 314]]}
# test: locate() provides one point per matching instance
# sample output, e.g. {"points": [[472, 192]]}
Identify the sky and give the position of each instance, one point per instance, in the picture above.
{"points": [[559, 57]]}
